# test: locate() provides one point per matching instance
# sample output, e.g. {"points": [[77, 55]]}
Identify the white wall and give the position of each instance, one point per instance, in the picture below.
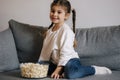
{"points": [[90, 13]]}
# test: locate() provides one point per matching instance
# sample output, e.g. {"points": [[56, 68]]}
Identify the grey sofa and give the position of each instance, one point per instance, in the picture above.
{"points": [[22, 43]]}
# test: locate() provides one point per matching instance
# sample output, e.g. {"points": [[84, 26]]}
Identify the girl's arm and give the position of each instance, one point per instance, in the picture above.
{"points": [[57, 73]]}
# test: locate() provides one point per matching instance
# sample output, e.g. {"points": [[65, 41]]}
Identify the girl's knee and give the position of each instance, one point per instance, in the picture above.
{"points": [[72, 64], [73, 61]]}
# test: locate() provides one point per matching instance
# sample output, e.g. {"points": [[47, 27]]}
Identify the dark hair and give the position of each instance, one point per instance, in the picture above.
{"points": [[67, 6]]}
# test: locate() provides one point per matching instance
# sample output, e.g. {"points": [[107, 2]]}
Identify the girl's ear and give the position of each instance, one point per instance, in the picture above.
{"points": [[67, 16]]}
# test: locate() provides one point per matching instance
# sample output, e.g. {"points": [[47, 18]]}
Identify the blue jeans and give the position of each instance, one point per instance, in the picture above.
{"points": [[74, 69]]}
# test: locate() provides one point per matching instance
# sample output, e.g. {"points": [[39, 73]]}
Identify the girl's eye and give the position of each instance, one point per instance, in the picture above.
{"points": [[53, 11], [59, 12]]}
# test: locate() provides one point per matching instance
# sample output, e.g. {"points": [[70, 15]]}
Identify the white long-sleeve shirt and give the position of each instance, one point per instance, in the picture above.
{"points": [[58, 46]]}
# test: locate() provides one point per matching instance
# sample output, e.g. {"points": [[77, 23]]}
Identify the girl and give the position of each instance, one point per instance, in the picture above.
{"points": [[58, 46]]}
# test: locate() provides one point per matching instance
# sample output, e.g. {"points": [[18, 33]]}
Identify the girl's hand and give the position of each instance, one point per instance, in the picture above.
{"points": [[57, 73]]}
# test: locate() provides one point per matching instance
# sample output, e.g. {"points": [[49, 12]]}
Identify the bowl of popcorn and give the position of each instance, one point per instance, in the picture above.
{"points": [[34, 70]]}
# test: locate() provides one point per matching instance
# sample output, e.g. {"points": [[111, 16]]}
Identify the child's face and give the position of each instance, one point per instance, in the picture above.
{"points": [[58, 14]]}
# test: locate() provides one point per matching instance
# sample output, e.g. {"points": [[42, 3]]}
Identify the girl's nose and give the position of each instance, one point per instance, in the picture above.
{"points": [[55, 14]]}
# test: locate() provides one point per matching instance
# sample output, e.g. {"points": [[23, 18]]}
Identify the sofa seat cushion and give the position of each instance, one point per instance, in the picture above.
{"points": [[8, 53], [28, 40], [99, 46], [16, 75]]}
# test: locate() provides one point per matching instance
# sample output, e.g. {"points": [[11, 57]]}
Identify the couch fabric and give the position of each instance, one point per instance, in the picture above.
{"points": [[8, 53], [99, 46], [96, 46]]}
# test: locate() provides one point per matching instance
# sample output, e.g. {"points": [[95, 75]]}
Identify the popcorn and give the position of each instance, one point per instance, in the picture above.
{"points": [[33, 70]]}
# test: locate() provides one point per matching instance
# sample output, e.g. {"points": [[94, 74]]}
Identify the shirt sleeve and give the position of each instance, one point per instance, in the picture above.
{"points": [[66, 46]]}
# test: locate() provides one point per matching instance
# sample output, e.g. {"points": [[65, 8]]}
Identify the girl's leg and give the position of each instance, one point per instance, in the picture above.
{"points": [[51, 69], [74, 69]]}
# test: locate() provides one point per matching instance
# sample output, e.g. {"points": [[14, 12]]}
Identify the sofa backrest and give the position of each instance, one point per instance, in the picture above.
{"points": [[99, 46], [8, 53], [96, 46]]}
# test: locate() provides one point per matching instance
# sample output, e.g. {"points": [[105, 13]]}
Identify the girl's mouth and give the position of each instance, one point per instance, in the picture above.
{"points": [[54, 19]]}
